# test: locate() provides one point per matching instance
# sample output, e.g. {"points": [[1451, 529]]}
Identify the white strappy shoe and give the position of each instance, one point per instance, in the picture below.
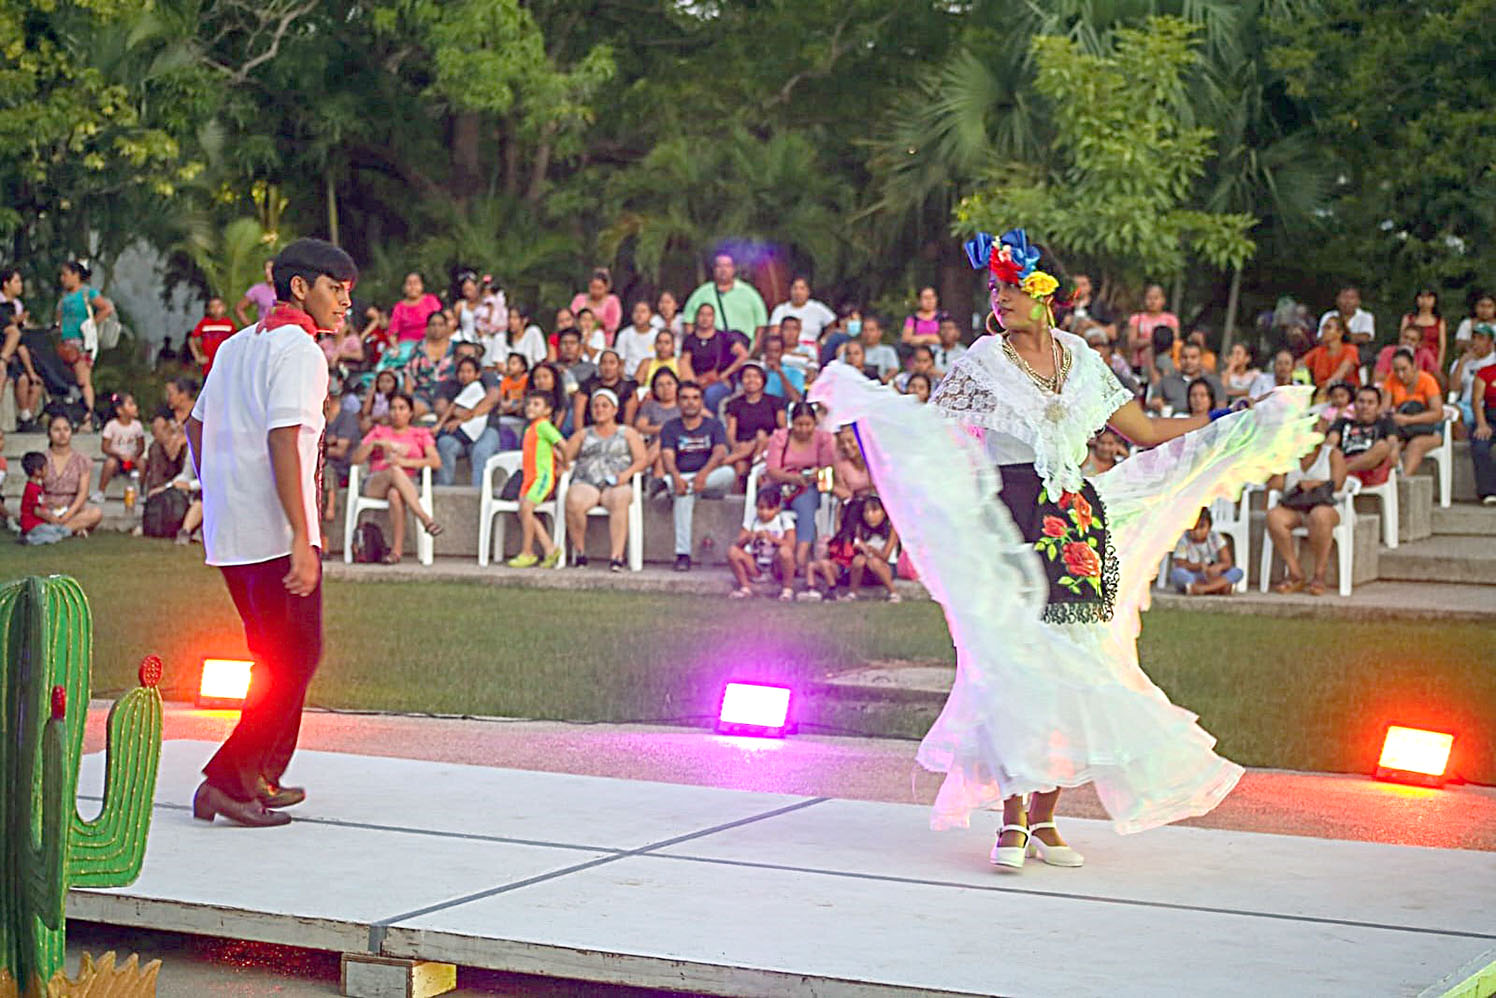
{"points": [[1011, 857], [1052, 855]]}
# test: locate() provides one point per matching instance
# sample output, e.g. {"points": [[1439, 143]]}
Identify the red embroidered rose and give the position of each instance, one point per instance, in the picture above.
{"points": [[1066, 498], [1083, 514], [1054, 527], [1081, 561]]}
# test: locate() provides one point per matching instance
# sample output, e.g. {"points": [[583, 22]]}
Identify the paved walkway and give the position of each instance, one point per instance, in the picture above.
{"points": [[1374, 601]]}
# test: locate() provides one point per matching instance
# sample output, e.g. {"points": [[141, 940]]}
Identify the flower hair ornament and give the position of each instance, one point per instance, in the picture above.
{"points": [[1011, 260]]}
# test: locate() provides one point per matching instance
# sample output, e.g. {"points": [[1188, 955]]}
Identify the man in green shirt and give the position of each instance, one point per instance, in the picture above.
{"points": [[739, 306]]}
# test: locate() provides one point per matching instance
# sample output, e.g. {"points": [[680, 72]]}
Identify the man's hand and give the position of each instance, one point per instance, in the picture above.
{"points": [[306, 568], [698, 481], [1483, 432], [680, 485]]}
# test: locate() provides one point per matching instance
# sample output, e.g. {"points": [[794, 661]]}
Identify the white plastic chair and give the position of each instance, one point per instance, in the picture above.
{"points": [[491, 508], [1387, 494], [1344, 535], [1443, 455], [636, 521], [358, 502]]}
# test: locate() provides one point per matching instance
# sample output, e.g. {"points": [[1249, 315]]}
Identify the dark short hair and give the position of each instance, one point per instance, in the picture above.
{"points": [[406, 397], [802, 409], [924, 348], [544, 396], [569, 331], [1405, 353], [476, 364], [583, 311], [769, 498], [524, 361], [1205, 515], [790, 318], [310, 259], [186, 386], [33, 461], [438, 314], [664, 372], [1372, 389], [78, 267], [680, 385]]}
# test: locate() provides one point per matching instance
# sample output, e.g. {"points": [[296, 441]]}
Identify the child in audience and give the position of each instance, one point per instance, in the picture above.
{"points": [[540, 466], [875, 545], [514, 389], [1202, 562], [122, 441], [1106, 450], [39, 524], [766, 544]]}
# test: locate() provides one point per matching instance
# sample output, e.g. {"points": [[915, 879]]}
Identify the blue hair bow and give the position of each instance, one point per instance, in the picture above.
{"points": [[979, 250], [1026, 256]]}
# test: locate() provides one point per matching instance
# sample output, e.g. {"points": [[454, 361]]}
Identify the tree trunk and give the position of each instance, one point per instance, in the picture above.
{"points": [[957, 284], [539, 167], [332, 207], [467, 171], [511, 159], [1233, 299]]}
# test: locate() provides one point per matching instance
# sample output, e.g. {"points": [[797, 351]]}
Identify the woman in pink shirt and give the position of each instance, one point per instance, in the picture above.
{"points": [[1140, 326], [394, 453], [604, 304], [852, 478], [796, 455], [408, 317]]}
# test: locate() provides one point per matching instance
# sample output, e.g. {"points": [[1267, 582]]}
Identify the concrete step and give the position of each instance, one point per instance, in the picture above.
{"points": [[1465, 518], [1415, 501], [1448, 558]]}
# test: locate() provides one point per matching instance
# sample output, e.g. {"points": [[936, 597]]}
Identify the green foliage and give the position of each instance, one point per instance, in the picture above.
{"points": [[1126, 161]]}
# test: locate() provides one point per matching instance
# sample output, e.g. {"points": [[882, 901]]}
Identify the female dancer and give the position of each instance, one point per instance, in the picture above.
{"points": [[1048, 691]]}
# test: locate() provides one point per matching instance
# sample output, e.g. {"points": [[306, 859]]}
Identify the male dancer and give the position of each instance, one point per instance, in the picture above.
{"points": [[255, 434]]}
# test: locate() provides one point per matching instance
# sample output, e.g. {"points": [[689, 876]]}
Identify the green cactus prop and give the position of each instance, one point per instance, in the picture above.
{"points": [[46, 648]]}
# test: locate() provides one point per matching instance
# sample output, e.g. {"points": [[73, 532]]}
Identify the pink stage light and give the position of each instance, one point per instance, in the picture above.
{"points": [[759, 709]]}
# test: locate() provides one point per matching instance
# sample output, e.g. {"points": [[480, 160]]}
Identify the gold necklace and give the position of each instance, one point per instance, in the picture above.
{"points": [[1053, 385]]}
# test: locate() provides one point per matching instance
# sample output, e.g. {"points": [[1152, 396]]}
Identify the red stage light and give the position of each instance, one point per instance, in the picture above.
{"points": [[224, 683], [1412, 755]]}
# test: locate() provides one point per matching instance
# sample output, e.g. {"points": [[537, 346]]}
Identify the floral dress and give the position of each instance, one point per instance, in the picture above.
{"points": [[1043, 574]]}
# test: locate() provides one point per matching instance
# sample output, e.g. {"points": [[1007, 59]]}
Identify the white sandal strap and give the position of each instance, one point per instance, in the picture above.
{"points": [[1042, 824], [1014, 828]]}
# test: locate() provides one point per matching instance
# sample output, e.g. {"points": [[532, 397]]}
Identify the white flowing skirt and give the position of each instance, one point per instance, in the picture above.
{"points": [[1037, 706]]}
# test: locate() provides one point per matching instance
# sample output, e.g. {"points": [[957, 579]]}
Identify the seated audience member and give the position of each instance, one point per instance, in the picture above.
{"points": [[610, 376], [564, 320], [395, 453], [1339, 399], [1106, 451], [1308, 500], [693, 447], [344, 349], [1141, 326], [1172, 390], [449, 387], [879, 356], [546, 377], [375, 336], [854, 355], [209, 333], [375, 410], [659, 407], [514, 389], [1200, 338], [1284, 373], [181, 396], [432, 363], [1163, 354], [635, 343], [848, 326], [541, 467], [924, 325], [342, 435], [714, 356], [1479, 355], [594, 337], [1412, 398], [752, 417], [65, 479], [575, 369], [1411, 338], [850, 477], [605, 457], [921, 361], [919, 387], [663, 358], [1241, 372], [783, 380], [163, 459], [875, 545], [1201, 398], [1334, 359], [800, 320], [795, 458], [467, 428], [1484, 397], [950, 348], [1367, 438], [667, 313], [40, 522], [1482, 310], [1202, 564], [122, 443], [1098, 340], [522, 337], [765, 546], [187, 482]]}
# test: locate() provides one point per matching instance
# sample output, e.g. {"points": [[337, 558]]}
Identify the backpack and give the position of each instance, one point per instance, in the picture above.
{"points": [[164, 513], [369, 547]]}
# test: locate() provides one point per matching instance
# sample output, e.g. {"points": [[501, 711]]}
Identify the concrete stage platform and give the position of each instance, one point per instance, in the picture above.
{"points": [[726, 892]]}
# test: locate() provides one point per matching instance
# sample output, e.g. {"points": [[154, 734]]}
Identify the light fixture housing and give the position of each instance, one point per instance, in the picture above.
{"points": [[1415, 755], [762, 710], [223, 684]]}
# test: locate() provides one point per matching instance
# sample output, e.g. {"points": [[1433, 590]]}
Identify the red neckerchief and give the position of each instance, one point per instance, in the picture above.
{"points": [[286, 314]]}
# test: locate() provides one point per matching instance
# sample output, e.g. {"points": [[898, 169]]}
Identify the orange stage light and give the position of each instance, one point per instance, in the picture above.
{"points": [[224, 683], [1412, 755]]}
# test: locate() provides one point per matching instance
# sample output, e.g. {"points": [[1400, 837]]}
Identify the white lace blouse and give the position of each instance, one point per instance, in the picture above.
{"points": [[1018, 421]]}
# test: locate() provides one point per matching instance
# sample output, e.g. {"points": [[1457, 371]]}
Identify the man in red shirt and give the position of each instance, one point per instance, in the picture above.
{"points": [[209, 333]]}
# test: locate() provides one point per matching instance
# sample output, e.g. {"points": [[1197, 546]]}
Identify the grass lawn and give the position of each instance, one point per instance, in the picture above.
{"points": [[1292, 693]]}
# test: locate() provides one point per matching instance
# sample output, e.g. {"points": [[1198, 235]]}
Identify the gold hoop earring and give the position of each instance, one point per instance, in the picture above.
{"points": [[987, 323]]}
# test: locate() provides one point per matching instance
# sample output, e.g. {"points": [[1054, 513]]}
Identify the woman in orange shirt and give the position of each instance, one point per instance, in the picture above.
{"points": [[1334, 359], [1411, 398]]}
